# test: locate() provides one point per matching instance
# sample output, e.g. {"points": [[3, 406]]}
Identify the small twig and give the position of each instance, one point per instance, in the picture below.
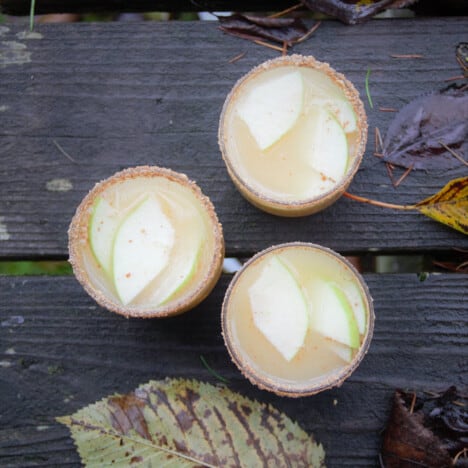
{"points": [[378, 203], [270, 46], [285, 49], [367, 88], [456, 402], [237, 57], [285, 12], [64, 152], [387, 109], [455, 78], [407, 56], [390, 172], [453, 153], [213, 372], [413, 402], [404, 176], [378, 141], [378, 155], [463, 452], [308, 33]]}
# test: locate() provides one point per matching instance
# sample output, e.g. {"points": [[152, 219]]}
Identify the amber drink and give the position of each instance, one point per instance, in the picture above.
{"points": [[297, 319], [292, 134], [146, 243]]}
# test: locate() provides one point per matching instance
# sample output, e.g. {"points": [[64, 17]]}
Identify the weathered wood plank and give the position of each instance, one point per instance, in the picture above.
{"points": [[117, 95], [59, 352], [22, 7]]}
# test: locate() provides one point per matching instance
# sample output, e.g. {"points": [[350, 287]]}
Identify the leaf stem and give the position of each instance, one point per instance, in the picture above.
{"points": [[379, 203], [367, 88]]}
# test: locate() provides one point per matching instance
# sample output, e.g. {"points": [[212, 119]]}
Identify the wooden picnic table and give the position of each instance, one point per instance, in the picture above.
{"points": [[79, 102]]}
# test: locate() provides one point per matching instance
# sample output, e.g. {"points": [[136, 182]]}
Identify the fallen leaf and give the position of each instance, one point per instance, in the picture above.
{"points": [[353, 11], [429, 430], [449, 206], [181, 423], [280, 30], [430, 131]]}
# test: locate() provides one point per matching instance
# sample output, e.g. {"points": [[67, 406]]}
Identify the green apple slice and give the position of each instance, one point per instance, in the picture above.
{"points": [[341, 109], [325, 145], [279, 308], [102, 227], [342, 351], [332, 315], [142, 246], [271, 108], [188, 248]]}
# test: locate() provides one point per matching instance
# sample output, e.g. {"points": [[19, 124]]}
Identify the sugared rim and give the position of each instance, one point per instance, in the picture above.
{"points": [[306, 388], [352, 95], [78, 233]]}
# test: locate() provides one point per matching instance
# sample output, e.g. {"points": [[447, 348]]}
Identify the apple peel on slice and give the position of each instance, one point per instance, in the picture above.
{"points": [[271, 108], [141, 250], [341, 109], [279, 308], [332, 315], [325, 145]]}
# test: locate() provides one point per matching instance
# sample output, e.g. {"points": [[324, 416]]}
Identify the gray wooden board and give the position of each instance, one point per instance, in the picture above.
{"points": [[22, 7], [118, 95], [59, 351]]}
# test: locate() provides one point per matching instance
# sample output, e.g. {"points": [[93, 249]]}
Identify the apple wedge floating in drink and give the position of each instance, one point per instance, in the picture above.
{"points": [[297, 319], [292, 134], [146, 243]]}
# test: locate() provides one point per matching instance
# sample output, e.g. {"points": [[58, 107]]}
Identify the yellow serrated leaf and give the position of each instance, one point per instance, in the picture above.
{"points": [[449, 206]]}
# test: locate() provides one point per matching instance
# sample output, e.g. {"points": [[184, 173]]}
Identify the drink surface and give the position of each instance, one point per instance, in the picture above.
{"points": [[319, 356], [149, 241], [295, 138]]}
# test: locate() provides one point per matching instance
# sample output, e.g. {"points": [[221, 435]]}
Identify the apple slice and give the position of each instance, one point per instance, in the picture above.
{"points": [[279, 308], [342, 351], [272, 107], [102, 227], [354, 296], [332, 315], [325, 147], [341, 109], [186, 252], [141, 248]]}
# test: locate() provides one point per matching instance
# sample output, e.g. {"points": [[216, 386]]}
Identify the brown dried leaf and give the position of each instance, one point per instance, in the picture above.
{"points": [[426, 430], [180, 423], [280, 30], [353, 11]]}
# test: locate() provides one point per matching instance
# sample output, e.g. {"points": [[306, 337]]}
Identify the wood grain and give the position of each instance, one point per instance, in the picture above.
{"points": [[59, 351], [21, 7], [119, 95]]}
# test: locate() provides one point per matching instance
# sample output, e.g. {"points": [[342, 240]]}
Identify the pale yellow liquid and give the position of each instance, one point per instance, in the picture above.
{"points": [[314, 361], [188, 218], [279, 172]]}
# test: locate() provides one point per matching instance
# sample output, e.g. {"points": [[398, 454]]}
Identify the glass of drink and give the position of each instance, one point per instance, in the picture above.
{"points": [[297, 319], [292, 134], [146, 243]]}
